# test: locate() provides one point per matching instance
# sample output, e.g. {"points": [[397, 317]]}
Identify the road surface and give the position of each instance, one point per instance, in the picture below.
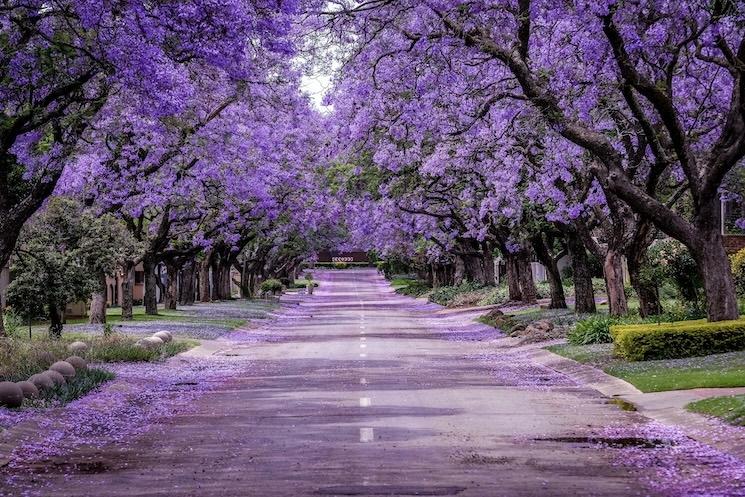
{"points": [[363, 392]]}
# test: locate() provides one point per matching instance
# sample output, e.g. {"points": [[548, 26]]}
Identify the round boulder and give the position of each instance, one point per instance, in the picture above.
{"points": [[11, 395], [77, 347], [57, 378], [150, 343], [42, 381], [166, 336], [29, 389], [64, 368], [77, 362]]}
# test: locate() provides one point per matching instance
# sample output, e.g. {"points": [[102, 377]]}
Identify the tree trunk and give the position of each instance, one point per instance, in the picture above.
{"points": [[525, 273], [227, 290], [460, 271], [613, 273], [128, 285], [186, 290], [649, 301], [513, 277], [56, 319], [488, 263], [98, 301], [159, 282], [204, 279], [716, 272], [151, 298], [584, 295], [215, 276], [169, 299], [245, 284], [558, 300]]}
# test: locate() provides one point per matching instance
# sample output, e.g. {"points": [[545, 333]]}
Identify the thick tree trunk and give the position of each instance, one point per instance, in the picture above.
{"points": [[186, 290], [584, 295], [98, 301], [227, 290], [151, 298], [459, 275], [169, 299], [528, 291], [128, 285], [488, 263], [56, 320], [613, 273], [714, 266], [513, 277], [558, 300], [204, 280]]}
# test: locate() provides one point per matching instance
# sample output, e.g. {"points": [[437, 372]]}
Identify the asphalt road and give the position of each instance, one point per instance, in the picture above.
{"points": [[363, 392]]}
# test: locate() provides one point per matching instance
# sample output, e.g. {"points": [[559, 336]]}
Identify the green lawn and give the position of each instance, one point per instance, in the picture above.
{"points": [[718, 370], [730, 409]]}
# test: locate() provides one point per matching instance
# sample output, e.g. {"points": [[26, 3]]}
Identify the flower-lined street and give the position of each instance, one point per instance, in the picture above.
{"points": [[357, 391]]}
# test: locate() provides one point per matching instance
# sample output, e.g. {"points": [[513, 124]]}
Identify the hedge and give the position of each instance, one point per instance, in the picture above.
{"points": [[649, 341]]}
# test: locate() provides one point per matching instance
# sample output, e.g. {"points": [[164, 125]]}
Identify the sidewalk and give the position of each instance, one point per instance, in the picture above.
{"points": [[665, 407]]}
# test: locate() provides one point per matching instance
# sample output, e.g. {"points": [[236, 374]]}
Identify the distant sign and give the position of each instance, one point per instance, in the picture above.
{"points": [[342, 259]]}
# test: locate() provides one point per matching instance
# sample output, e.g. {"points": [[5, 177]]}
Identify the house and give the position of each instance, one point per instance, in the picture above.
{"points": [[114, 287], [734, 236]]}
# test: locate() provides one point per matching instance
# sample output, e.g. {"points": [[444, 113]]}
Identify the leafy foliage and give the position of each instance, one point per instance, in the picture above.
{"points": [[61, 255], [595, 329], [643, 342], [271, 285]]}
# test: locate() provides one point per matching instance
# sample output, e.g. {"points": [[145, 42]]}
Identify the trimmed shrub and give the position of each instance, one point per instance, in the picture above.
{"points": [[738, 270], [643, 342], [271, 285], [595, 329]]}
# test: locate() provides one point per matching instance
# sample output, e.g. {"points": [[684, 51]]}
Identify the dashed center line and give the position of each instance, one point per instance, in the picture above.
{"points": [[363, 345], [363, 355], [363, 381], [366, 435], [364, 402]]}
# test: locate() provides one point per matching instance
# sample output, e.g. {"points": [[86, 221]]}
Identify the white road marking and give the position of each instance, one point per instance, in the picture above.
{"points": [[363, 345], [363, 381], [366, 435], [362, 339], [362, 326], [363, 355], [364, 402]]}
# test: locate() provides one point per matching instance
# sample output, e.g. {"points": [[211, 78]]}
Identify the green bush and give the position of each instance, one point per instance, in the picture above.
{"points": [[594, 329], [444, 295], [13, 323], [674, 264], [498, 295], [738, 271], [642, 342], [414, 288], [271, 285]]}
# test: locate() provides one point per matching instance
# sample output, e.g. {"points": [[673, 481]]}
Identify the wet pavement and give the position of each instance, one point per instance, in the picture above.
{"points": [[360, 392]]}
